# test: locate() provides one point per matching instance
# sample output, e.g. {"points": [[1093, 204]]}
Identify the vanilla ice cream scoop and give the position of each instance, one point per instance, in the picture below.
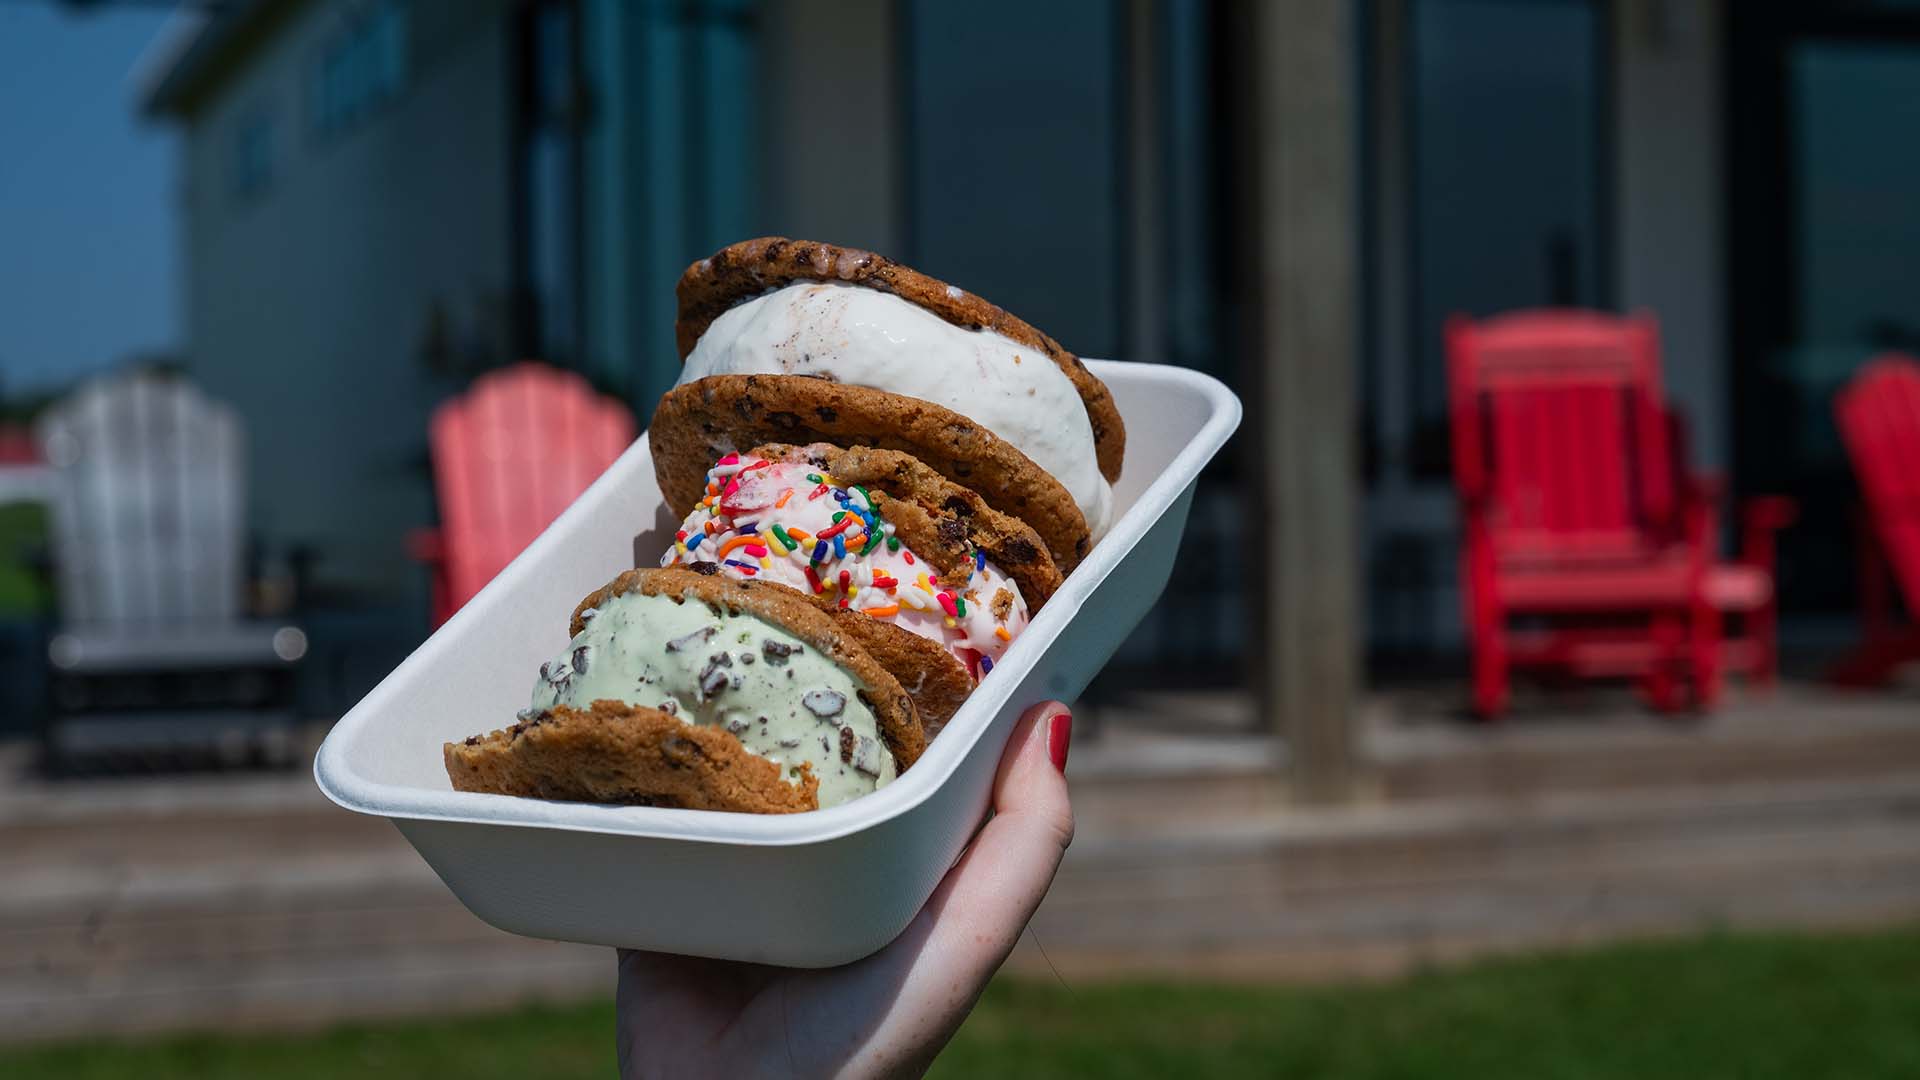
{"points": [[864, 337], [788, 522]]}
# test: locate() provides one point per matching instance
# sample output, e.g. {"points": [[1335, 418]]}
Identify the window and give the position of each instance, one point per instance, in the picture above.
{"points": [[250, 165], [361, 67], [1856, 228]]}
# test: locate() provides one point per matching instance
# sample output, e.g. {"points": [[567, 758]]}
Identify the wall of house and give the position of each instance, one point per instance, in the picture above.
{"points": [[1670, 240], [329, 301], [676, 163]]}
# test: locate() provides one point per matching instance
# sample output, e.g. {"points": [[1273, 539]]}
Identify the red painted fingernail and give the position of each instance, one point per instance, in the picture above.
{"points": [[1059, 737]]}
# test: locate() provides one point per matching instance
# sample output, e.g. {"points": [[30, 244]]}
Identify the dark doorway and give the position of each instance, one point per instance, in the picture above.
{"points": [[1825, 250]]}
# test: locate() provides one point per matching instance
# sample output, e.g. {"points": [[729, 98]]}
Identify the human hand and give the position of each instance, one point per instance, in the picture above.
{"points": [[889, 1014]]}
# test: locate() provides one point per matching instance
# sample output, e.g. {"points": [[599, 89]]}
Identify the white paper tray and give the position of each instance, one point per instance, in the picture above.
{"points": [[803, 890]]}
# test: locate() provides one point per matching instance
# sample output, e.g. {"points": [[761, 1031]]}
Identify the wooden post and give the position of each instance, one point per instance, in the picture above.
{"points": [[1300, 141]]}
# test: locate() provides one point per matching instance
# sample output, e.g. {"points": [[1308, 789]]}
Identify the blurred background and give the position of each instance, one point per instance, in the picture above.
{"points": [[1550, 595]]}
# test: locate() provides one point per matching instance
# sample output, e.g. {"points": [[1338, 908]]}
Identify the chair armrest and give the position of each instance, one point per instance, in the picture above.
{"points": [[1760, 518], [1710, 487], [427, 545]]}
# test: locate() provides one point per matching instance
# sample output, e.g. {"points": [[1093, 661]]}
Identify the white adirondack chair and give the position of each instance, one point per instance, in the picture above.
{"points": [[148, 521]]}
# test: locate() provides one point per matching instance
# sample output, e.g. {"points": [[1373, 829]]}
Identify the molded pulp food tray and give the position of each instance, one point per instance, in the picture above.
{"points": [[804, 890]]}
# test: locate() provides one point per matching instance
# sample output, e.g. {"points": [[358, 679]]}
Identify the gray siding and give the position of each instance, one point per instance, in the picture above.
{"points": [[310, 302]]}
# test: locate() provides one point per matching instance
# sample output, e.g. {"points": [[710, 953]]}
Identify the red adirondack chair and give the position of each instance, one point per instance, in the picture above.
{"points": [[508, 456], [1879, 415], [1574, 523], [16, 446], [1742, 589]]}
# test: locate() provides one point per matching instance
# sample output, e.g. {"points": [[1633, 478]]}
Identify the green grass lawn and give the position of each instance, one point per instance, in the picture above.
{"points": [[1742, 1006]]}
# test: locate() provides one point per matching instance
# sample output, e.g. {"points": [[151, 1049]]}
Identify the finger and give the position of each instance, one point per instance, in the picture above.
{"points": [[934, 972], [993, 890], [974, 918]]}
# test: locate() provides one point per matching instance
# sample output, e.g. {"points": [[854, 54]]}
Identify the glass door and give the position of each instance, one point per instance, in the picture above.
{"points": [[1488, 172], [1826, 235]]}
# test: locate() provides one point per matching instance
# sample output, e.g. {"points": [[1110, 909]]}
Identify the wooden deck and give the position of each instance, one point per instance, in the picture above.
{"points": [[1587, 823], [246, 901]]}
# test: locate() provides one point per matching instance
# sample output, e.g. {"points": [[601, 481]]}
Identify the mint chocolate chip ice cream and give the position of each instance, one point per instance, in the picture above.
{"points": [[781, 698]]}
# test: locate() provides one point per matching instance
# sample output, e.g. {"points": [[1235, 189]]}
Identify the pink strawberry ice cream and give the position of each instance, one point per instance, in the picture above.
{"points": [[788, 522]]}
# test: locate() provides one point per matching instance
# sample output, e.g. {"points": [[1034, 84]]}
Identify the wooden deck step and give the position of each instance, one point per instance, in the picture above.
{"points": [[238, 902], [1306, 892]]}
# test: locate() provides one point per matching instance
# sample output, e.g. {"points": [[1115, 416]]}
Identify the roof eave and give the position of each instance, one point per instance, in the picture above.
{"points": [[194, 53]]}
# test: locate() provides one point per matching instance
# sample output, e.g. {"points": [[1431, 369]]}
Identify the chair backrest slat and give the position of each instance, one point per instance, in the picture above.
{"points": [[148, 518], [509, 455], [1559, 429], [1879, 417]]}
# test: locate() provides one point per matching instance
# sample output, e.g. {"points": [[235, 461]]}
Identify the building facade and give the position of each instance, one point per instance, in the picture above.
{"points": [[1737, 169], [345, 212], [508, 177], [382, 197]]}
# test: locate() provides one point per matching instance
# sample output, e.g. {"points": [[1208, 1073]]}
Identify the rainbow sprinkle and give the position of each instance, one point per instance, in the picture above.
{"points": [[835, 560]]}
